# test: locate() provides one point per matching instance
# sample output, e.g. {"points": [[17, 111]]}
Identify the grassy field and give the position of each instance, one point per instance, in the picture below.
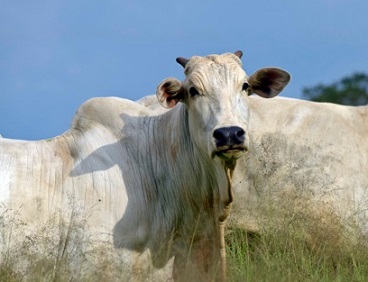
{"points": [[275, 256], [281, 255], [297, 250]]}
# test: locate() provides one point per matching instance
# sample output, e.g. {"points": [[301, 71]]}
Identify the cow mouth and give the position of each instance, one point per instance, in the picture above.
{"points": [[230, 152]]}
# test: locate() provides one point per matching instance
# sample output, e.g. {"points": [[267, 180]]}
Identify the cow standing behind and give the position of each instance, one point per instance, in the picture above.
{"points": [[305, 172], [143, 180]]}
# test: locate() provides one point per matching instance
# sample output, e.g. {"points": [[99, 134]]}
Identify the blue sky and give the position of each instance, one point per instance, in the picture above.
{"points": [[54, 55]]}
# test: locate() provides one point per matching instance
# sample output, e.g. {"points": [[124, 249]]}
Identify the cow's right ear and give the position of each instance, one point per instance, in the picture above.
{"points": [[169, 92]]}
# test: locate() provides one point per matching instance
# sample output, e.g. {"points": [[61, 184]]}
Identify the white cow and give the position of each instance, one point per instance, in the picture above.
{"points": [[145, 180], [306, 169]]}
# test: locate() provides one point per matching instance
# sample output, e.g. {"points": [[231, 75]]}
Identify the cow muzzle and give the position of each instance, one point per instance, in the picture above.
{"points": [[230, 142]]}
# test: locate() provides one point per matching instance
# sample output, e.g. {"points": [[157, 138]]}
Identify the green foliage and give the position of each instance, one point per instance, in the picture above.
{"points": [[351, 90]]}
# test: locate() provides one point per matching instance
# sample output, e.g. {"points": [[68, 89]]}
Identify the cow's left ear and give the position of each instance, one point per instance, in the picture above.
{"points": [[268, 82], [169, 92]]}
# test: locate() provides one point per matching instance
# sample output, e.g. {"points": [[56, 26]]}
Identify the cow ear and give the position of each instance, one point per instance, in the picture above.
{"points": [[169, 92], [268, 82]]}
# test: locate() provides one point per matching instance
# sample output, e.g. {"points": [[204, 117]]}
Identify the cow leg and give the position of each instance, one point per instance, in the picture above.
{"points": [[200, 263], [137, 270]]}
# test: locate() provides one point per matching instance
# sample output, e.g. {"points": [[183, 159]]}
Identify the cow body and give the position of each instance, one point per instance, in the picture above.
{"points": [[141, 179], [306, 169]]}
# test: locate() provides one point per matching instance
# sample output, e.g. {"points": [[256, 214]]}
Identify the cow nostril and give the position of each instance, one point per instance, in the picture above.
{"points": [[240, 133], [219, 134]]}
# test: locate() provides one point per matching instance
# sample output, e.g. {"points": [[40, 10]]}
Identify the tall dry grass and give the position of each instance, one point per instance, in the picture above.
{"points": [[296, 251], [278, 254], [61, 250], [291, 246]]}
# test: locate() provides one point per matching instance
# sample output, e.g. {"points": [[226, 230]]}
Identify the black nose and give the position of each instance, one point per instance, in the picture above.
{"points": [[229, 136]]}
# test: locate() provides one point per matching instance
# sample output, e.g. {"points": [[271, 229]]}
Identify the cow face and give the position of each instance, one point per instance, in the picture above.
{"points": [[215, 92]]}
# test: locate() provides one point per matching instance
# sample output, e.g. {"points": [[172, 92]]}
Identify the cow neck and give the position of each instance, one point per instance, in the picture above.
{"points": [[221, 205], [185, 191], [197, 176]]}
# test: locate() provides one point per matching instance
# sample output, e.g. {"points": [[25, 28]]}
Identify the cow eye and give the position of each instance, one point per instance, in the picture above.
{"points": [[245, 86], [193, 91]]}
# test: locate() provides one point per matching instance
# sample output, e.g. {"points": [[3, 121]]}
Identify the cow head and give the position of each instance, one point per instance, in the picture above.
{"points": [[215, 92]]}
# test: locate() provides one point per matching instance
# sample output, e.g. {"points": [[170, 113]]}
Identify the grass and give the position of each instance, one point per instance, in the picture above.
{"points": [[288, 255], [284, 250]]}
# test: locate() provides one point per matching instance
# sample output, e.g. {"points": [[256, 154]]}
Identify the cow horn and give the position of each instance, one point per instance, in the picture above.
{"points": [[182, 61], [238, 54]]}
